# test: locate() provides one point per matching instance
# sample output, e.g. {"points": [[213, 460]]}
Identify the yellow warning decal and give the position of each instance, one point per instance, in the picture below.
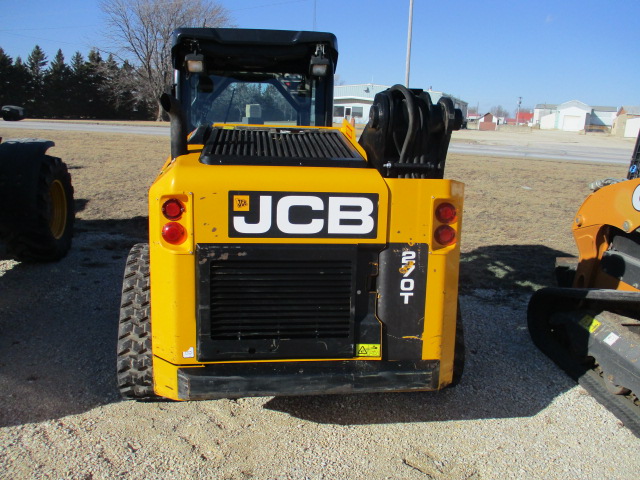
{"points": [[589, 323], [241, 203], [367, 350]]}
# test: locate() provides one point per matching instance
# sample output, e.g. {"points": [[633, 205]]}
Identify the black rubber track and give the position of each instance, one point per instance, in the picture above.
{"points": [[32, 239], [621, 406], [134, 364], [549, 340]]}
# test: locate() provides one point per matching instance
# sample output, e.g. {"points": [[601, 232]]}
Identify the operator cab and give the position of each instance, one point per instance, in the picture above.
{"points": [[254, 76]]}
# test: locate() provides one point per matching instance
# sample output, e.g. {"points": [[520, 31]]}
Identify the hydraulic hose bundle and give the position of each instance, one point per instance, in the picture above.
{"points": [[407, 135]]}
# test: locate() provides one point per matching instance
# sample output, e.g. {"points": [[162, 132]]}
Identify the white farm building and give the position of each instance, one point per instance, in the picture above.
{"points": [[354, 101], [627, 123], [574, 116]]}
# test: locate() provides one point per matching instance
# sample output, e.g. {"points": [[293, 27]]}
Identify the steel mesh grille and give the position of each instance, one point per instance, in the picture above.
{"points": [[305, 144], [280, 300]]}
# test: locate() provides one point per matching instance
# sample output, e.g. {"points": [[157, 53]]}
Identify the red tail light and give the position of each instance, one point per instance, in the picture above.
{"points": [[172, 209], [445, 235], [446, 213], [174, 233]]}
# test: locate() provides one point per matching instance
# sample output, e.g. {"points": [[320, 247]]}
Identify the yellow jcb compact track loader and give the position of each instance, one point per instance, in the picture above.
{"points": [[590, 325], [285, 257]]}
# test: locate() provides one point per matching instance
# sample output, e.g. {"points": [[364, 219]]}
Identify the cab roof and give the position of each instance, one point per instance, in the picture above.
{"points": [[252, 49]]}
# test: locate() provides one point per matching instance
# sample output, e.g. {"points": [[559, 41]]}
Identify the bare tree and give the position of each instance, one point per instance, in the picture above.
{"points": [[499, 111], [142, 30], [337, 80]]}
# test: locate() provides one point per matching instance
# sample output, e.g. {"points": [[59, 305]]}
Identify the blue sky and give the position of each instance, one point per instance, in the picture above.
{"points": [[487, 52]]}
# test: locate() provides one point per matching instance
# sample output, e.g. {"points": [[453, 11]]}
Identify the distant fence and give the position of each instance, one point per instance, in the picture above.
{"points": [[514, 128], [487, 126], [597, 128]]}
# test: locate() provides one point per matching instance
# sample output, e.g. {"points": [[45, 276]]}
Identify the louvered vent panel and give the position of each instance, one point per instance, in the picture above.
{"points": [[280, 300], [303, 144]]}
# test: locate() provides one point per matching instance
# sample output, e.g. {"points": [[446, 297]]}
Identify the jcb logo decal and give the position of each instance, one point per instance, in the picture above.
{"points": [[293, 214], [241, 203]]}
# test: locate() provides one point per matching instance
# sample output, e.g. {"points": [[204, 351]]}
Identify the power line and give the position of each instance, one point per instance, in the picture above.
{"points": [[21, 29], [42, 39], [9, 31]]}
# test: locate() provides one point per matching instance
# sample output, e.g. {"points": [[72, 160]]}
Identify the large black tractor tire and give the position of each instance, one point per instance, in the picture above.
{"points": [[135, 362], [45, 229]]}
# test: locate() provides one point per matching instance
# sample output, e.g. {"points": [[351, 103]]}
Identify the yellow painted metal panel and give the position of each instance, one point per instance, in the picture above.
{"points": [[412, 220], [173, 305], [405, 215], [616, 205], [165, 379]]}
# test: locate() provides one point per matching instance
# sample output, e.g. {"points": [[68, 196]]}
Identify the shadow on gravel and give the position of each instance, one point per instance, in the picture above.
{"points": [[58, 325], [79, 204], [505, 374], [523, 268]]}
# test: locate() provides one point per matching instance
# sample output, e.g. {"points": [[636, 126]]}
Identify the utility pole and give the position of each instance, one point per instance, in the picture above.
{"points": [[406, 77], [518, 109], [314, 15]]}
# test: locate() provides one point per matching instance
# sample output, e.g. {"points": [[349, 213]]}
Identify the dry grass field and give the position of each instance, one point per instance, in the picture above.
{"points": [[517, 215]]}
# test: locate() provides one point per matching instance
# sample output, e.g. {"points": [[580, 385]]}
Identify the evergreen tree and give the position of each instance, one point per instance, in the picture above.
{"points": [[97, 90], [57, 87], [80, 87], [91, 88], [77, 62], [6, 78], [57, 67], [21, 80], [36, 63]]}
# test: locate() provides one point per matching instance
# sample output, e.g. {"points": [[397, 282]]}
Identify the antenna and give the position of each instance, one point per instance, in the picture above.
{"points": [[406, 77], [314, 15]]}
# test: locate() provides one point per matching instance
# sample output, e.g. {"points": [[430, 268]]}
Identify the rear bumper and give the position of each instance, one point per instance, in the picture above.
{"points": [[305, 378]]}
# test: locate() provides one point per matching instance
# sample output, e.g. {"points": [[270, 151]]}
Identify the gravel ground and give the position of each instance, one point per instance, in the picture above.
{"points": [[514, 415]]}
